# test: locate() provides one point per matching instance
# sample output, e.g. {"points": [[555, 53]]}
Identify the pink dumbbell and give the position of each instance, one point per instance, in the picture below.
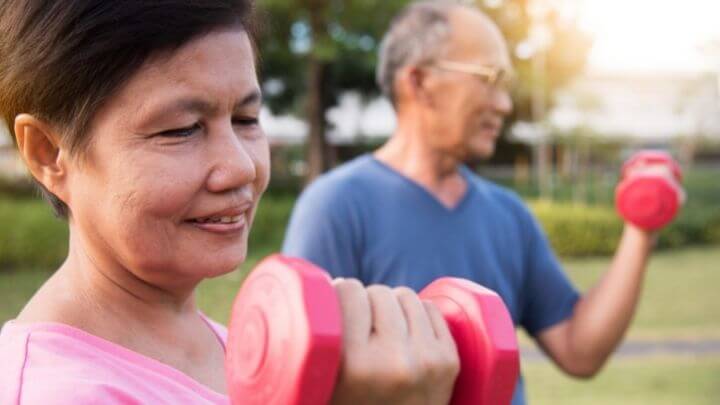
{"points": [[285, 337], [650, 193]]}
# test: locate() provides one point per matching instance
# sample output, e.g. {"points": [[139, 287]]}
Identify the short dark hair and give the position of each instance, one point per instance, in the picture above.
{"points": [[61, 59]]}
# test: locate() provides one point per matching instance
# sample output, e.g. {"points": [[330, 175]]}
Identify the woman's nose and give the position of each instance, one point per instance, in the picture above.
{"points": [[234, 166]]}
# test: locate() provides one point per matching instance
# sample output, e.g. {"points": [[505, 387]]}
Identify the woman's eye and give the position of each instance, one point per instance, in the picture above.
{"points": [[246, 122], [181, 132]]}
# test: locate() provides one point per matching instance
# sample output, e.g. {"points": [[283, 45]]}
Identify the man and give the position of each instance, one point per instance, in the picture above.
{"points": [[412, 212]]}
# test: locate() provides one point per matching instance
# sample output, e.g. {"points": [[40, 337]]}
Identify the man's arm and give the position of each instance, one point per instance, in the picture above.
{"points": [[581, 344]]}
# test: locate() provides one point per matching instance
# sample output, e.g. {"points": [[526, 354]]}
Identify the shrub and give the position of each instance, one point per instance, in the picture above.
{"points": [[579, 230], [712, 231], [17, 188], [31, 235], [272, 217]]}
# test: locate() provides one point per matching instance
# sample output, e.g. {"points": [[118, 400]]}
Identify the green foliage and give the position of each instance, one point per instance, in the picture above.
{"points": [[712, 231], [697, 223], [18, 188], [577, 230], [565, 56], [581, 230], [694, 225], [31, 235], [345, 36], [338, 34], [271, 219], [699, 220]]}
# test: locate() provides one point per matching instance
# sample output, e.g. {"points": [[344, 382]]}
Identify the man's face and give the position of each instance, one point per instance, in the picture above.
{"points": [[468, 111]]}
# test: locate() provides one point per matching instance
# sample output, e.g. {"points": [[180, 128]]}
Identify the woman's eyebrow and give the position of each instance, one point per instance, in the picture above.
{"points": [[203, 106], [253, 98]]}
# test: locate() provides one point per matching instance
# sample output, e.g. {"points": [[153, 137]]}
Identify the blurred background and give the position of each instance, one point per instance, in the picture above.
{"points": [[599, 79]]}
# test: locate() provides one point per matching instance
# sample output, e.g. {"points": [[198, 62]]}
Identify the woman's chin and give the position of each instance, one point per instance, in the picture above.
{"points": [[222, 269], [211, 267], [220, 273]]}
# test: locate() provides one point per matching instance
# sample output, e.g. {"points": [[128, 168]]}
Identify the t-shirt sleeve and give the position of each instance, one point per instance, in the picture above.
{"points": [[326, 230], [549, 296]]}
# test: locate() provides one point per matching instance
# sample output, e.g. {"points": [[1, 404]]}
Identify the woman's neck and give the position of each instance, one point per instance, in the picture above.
{"points": [[95, 293]]}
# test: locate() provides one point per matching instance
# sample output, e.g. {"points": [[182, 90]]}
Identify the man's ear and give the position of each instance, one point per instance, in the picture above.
{"points": [[412, 83], [40, 147]]}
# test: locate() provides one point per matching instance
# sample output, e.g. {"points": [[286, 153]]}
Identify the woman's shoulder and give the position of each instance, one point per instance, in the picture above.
{"points": [[13, 352], [46, 363], [219, 329], [35, 368], [54, 363]]}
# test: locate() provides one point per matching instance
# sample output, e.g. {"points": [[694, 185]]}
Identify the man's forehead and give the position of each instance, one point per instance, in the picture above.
{"points": [[476, 38]]}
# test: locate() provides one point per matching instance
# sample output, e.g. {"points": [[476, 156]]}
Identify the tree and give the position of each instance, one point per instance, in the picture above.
{"points": [[314, 50]]}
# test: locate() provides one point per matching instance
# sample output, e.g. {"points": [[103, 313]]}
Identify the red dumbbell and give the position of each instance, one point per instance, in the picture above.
{"points": [[650, 193], [285, 337]]}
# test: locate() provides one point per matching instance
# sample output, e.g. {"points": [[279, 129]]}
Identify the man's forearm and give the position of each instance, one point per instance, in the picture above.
{"points": [[603, 315]]}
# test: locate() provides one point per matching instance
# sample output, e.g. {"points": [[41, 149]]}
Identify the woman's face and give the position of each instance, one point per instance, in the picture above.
{"points": [[177, 163]]}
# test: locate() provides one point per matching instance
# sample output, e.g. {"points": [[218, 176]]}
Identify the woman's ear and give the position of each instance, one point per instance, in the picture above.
{"points": [[40, 147]]}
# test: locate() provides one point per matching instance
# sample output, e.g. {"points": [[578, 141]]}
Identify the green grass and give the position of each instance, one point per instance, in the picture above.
{"points": [[657, 381], [679, 297]]}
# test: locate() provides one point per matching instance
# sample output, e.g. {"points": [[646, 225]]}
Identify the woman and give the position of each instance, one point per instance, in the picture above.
{"points": [[139, 121]]}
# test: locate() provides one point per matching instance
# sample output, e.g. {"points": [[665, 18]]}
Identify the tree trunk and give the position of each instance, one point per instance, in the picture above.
{"points": [[319, 153], [542, 150], [319, 156]]}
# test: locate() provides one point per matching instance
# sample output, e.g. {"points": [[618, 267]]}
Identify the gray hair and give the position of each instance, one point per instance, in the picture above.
{"points": [[417, 35]]}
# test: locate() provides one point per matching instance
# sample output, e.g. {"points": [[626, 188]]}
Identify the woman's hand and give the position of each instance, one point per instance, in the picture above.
{"points": [[397, 349]]}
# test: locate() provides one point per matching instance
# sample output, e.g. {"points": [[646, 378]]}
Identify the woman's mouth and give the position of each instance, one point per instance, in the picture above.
{"points": [[218, 220], [221, 224]]}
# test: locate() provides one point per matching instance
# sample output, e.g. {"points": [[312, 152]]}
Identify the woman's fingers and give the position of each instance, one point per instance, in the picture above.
{"points": [[420, 327], [356, 313], [398, 348], [439, 325], [387, 315]]}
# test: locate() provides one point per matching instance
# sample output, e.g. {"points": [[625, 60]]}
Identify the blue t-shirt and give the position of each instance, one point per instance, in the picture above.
{"points": [[364, 220]]}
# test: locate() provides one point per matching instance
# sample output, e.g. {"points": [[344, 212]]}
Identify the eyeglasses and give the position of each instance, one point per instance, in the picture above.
{"points": [[497, 78]]}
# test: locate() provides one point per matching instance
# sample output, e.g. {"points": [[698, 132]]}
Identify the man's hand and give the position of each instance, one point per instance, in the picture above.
{"points": [[397, 349]]}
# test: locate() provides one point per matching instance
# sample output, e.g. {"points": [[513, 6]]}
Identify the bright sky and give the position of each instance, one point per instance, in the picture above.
{"points": [[651, 35]]}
